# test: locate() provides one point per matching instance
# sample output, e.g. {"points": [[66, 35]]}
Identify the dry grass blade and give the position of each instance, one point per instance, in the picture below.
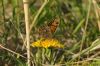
{"points": [[26, 12], [11, 51]]}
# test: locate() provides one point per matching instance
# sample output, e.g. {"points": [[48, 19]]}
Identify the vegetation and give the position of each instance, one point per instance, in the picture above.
{"points": [[75, 42]]}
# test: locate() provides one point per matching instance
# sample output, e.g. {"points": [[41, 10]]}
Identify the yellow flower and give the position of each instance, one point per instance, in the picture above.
{"points": [[37, 43], [47, 43]]}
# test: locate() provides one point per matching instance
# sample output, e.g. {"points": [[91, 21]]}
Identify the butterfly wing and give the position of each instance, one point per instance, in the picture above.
{"points": [[53, 25], [47, 30], [44, 32]]}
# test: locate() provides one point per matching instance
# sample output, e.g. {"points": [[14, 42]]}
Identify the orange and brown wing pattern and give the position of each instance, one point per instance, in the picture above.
{"points": [[53, 25], [47, 30]]}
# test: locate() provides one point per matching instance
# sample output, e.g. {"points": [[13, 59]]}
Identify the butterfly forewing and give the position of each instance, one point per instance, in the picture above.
{"points": [[53, 25]]}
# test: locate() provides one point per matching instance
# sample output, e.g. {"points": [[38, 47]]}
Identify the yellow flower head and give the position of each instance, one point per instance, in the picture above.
{"points": [[37, 43], [46, 43]]}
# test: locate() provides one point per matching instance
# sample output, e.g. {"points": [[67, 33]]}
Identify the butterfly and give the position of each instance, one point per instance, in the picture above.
{"points": [[47, 30]]}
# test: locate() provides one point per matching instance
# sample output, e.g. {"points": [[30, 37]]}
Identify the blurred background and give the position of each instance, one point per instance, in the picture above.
{"points": [[78, 31]]}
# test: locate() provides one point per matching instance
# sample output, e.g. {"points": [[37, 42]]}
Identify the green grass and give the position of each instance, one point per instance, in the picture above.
{"points": [[78, 30]]}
